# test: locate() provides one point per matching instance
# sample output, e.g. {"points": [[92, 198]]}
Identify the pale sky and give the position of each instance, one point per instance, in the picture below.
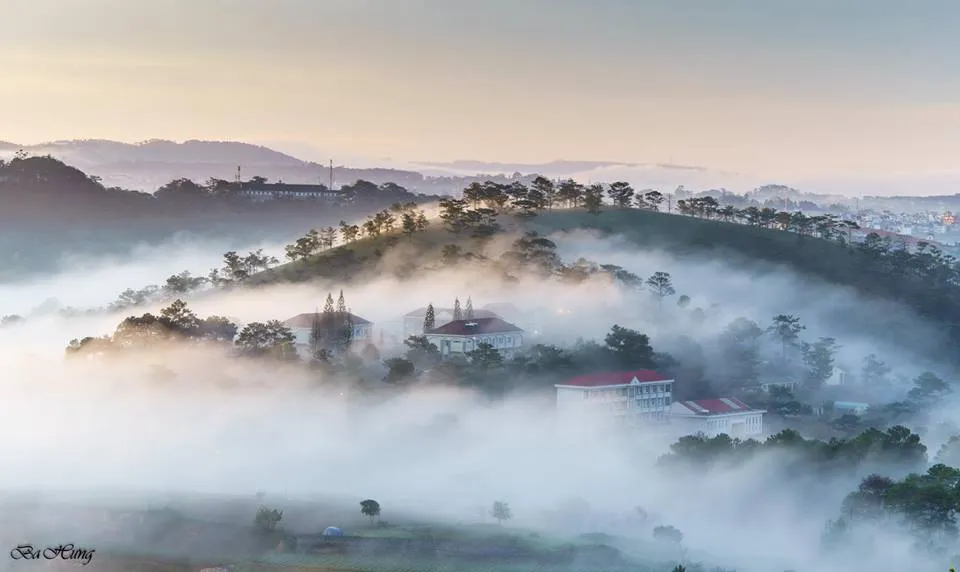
{"points": [[757, 86]]}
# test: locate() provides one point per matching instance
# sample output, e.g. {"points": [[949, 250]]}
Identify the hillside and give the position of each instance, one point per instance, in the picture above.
{"points": [[150, 164], [914, 280], [50, 209], [674, 233]]}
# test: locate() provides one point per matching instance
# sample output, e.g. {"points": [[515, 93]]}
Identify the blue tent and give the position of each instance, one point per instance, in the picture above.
{"points": [[332, 531]]}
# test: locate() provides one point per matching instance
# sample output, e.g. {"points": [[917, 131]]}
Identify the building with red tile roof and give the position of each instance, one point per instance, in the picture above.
{"points": [[637, 395], [715, 416], [460, 337]]}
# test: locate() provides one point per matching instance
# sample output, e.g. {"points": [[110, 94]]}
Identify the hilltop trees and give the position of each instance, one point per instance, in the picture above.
{"points": [[238, 268], [593, 198], [182, 283], [621, 194], [349, 232]]}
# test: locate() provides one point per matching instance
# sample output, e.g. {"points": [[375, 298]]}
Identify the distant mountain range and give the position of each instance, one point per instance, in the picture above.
{"points": [[148, 165]]}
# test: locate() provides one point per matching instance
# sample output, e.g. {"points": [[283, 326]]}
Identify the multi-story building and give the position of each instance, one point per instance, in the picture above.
{"points": [[632, 396], [715, 416], [302, 325], [460, 337], [260, 192]]}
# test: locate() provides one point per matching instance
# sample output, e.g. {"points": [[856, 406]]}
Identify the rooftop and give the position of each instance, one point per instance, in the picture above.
{"points": [[282, 187], [306, 320], [615, 378], [719, 406], [475, 326], [422, 312]]}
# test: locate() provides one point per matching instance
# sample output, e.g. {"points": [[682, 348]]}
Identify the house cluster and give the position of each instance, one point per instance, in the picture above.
{"points": [[454, 331], [645, 397], [939, 228], [633, 397]]}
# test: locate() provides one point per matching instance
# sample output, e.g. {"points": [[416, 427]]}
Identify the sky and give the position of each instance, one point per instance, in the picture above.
{"points": [[774, 87]]}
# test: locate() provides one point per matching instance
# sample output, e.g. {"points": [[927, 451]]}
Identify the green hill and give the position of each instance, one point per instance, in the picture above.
{"points": [[927, 281]]}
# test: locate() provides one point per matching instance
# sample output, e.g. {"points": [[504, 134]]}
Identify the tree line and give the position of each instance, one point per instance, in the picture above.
{"points": [[406, 217]]}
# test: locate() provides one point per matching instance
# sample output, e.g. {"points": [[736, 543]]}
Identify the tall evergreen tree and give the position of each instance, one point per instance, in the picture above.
{"points": [[328, 321], [341, 304], [468, 311], [430, 319], [457, 312], [316, 333], [328, 305], [342, 332], [346, 331]]}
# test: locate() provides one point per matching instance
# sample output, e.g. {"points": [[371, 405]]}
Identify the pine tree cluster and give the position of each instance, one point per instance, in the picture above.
{"points": [[332, 329]]}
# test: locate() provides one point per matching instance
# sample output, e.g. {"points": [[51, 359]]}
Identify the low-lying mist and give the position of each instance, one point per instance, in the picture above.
{"points": [[214, 424]]}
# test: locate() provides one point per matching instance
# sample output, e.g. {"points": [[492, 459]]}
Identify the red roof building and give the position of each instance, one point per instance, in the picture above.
{"points": [[715, 416], [614, 379], [474, 327], [461, 337], [637, 395]]}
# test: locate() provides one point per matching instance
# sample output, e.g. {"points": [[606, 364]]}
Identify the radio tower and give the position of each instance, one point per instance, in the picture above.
{"points": [[331, 174]]}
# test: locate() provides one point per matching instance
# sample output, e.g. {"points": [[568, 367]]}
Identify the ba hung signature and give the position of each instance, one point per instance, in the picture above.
{"points": [[62, 552]]}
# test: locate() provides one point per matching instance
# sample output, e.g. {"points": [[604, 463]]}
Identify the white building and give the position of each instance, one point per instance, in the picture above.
{"points": [[640, 395], [262, 192], [462, 336], [839, 376], [302, 325], [413, 321], [715, 416]]}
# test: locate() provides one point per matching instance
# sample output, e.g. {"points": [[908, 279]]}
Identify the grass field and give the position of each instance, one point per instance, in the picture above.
{"points": [[469, 534]]}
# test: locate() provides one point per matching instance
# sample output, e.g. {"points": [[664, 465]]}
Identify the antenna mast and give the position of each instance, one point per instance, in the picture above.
{"points": [[331, 174], [238, 174]]}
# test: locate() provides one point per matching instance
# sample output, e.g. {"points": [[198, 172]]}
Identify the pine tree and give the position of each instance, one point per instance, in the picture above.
{"points": [[328, 305], [430, 319], [469, 309], [346, 331], [328, 321], [342, 330], [457, 312], [316, 333]]}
